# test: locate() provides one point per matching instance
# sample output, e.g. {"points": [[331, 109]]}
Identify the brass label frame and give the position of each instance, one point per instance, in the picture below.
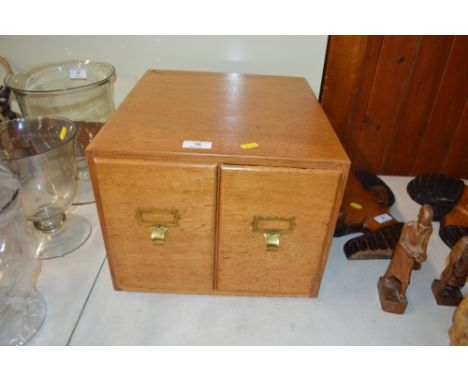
{"points": [[158, 227], [273, 235]]}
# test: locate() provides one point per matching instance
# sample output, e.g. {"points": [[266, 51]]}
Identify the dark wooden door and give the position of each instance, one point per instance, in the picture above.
{"points": [[399, 103]]}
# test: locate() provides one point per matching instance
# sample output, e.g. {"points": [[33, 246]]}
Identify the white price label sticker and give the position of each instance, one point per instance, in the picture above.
{"points": [[77, 73], [383, 218], [197, 145]]}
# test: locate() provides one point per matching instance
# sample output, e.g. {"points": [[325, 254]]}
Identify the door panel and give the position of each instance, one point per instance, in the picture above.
{"points": [[137, 194], [276, 197]]}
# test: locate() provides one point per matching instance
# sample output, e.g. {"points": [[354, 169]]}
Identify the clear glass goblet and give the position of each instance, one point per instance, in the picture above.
{"points": [[41, 153]]}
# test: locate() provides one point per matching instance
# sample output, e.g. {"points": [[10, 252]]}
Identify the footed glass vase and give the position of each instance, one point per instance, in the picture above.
{"points": [[41, 153]]}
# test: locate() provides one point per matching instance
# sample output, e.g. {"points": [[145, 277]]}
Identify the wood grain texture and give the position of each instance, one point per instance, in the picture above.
{"points": [[416, 108], [244, 264], [165, 108], [407, 113], [360, 96], [342, 73], [137, 161], [456, 160], [411, 249], [185, 261], [447, 289], [389, 87], [447, 110], [361, 206], [458, 216]]}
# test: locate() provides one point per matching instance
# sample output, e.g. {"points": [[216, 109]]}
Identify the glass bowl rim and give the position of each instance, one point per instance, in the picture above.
{"points": [[9, 77]]}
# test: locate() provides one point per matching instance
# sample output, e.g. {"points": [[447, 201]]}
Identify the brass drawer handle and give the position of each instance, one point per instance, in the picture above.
{"points": [[272, 234], [154, 219]]}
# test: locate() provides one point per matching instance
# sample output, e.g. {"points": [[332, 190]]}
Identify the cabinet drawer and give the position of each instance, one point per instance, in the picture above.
{"points": [[257, 202], [134, 197]]}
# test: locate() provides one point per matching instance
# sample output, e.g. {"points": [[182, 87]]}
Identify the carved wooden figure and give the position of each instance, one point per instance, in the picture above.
{"points": [[411, 248], [447, 290], [459, 330]]}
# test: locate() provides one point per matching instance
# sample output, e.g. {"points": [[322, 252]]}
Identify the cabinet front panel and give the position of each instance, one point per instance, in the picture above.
{"points": [[158, 220], [274, 226]]}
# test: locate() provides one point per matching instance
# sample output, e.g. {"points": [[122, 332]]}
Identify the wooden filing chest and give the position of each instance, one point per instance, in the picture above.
{"points": [[218, 217]]}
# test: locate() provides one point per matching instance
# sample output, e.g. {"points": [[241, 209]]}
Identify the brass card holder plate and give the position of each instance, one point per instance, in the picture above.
{"points": [[273, 232], [156, 221]]}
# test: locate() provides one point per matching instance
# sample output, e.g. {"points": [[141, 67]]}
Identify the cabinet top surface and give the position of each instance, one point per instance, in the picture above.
{"points": [[280, 114]]}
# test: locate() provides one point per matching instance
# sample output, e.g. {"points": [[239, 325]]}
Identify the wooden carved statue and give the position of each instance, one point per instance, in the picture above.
{"points": [[448, 196], [447, 290], [411, 248], [459, 330], [365, 208]]}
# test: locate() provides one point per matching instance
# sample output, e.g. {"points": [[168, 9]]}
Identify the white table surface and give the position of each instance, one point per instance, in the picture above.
{"points": [[83, 308]]}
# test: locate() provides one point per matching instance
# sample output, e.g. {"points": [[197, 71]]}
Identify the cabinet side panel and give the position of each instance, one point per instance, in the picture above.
{"points": [[92, 158]]}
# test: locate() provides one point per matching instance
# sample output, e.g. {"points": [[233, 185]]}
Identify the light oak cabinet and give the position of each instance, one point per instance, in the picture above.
{"points": [[217, 217]]}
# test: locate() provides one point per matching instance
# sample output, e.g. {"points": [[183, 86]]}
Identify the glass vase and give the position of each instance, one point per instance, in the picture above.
{"points": [[79, 90], [41, 153]]}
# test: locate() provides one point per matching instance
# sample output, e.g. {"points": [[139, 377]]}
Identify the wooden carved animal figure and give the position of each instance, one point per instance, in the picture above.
{"points": [[411, 248]]}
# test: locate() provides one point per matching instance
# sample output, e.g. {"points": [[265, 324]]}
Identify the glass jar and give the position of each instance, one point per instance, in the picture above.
{"points": [[22, 309], [80, 90]]}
